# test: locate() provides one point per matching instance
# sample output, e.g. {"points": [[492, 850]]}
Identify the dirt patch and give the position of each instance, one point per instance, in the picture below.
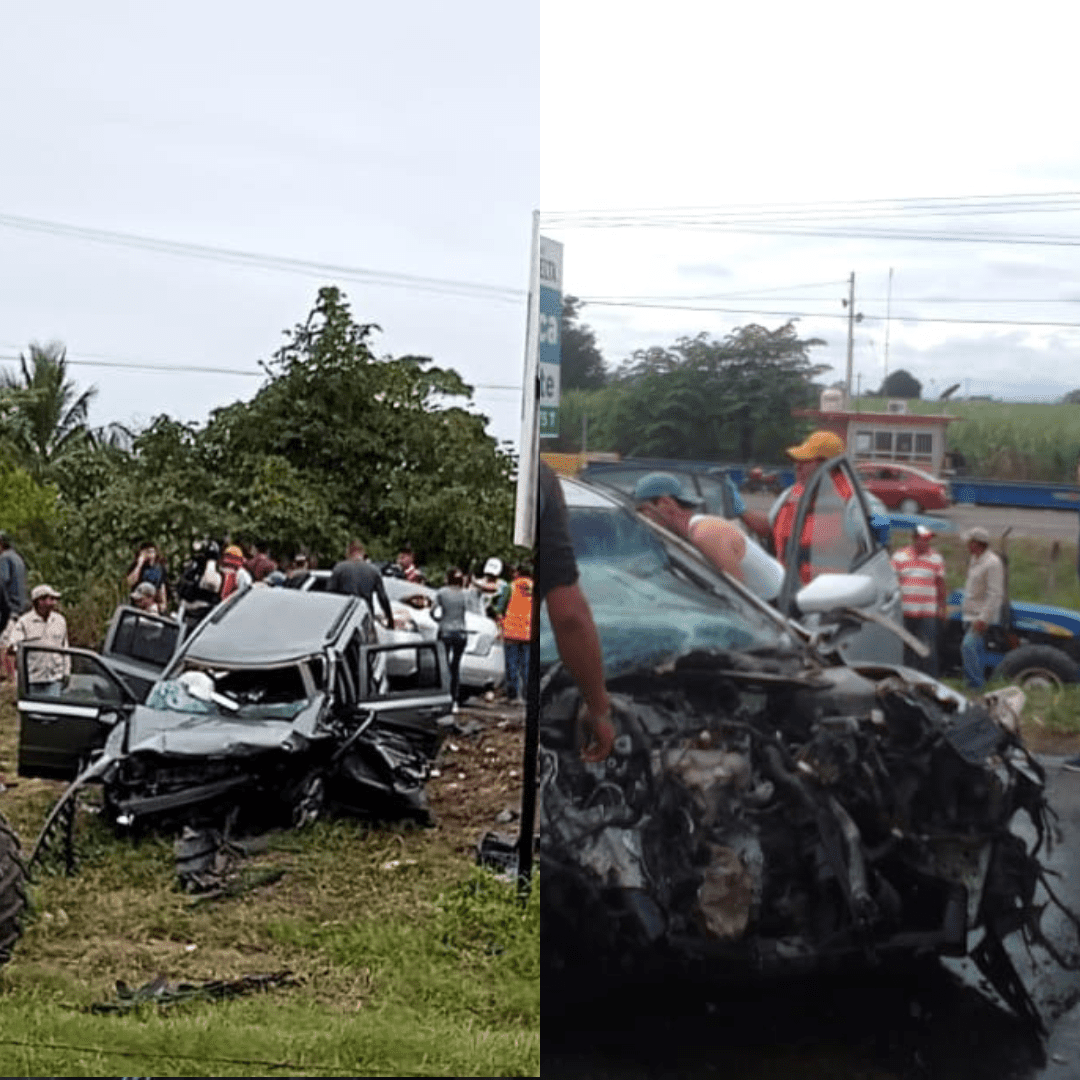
{"points": [[1040, 740], [478, 786]]}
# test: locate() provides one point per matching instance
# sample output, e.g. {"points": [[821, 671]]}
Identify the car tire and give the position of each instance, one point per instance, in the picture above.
{"points": [[910, 506], [1037, 665], [12, 891]]}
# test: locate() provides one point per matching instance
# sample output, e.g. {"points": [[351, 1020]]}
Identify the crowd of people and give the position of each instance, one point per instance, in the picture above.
{"points": [[214, 572], [920, 569]]}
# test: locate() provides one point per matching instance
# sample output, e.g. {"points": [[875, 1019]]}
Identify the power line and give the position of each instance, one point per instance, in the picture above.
{"points": [[764, 294], [832, 315], [722, 295], [839, 219], [1004, 239], [151, 1055], [1017, 202], [161, 369], [389, 279]]}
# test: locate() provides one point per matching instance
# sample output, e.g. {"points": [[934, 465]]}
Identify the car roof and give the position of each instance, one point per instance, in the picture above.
{"points": [[577, 493], [270, 626]]}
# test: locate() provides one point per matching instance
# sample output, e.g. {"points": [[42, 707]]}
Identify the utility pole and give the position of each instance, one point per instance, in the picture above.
{"points": [[851, 327], [888, 316], [852, 319]]}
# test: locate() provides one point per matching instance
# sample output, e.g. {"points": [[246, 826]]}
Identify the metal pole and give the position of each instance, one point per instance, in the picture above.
{"points": [[530, 754], [850, 328], [526, 510], [888, 315]]}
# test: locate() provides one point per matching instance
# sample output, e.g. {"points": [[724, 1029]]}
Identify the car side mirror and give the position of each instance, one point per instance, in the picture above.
{"points": [[827, 592]]}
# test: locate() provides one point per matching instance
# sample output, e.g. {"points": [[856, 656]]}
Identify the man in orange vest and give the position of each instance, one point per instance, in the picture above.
{"points": [[516, 625], [818, 447]]}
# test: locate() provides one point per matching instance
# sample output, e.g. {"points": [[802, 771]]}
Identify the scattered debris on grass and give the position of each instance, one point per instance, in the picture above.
{"points": [[159, 991]]}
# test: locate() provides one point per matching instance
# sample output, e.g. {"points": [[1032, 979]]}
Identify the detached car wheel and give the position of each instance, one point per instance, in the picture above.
{"points": [[1038, 665], [12, 890]]}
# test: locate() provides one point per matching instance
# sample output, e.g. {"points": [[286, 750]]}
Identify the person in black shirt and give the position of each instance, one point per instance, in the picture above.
{"points": [[355, 576], [556, 582]]}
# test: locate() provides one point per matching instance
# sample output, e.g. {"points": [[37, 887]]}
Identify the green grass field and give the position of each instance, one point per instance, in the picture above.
{"points": [[1008, 440], [405, 963], [405, 959]]}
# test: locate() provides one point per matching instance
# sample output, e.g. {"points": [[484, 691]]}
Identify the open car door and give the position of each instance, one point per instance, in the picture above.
{"points": [[413, 708], [835, 536], [139, 645], [69, 701]]}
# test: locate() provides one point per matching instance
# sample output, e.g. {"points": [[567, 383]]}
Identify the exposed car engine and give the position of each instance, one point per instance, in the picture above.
{"points": [[777, 817]]}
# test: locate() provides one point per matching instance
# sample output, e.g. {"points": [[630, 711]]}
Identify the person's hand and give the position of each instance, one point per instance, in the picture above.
{"points": [[596, 736]]}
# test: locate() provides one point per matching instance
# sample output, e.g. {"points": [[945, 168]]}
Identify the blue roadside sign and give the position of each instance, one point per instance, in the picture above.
{"points": [[550, 336]]}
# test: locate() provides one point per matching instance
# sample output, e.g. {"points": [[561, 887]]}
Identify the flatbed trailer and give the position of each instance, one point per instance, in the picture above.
{"points": [[1035, 496]]}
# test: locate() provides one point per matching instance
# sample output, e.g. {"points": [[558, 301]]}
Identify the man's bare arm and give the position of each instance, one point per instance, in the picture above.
{"points": [[579, 646], [722, 543]]}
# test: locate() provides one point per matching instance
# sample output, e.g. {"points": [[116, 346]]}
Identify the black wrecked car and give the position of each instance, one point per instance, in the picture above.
{"points": [[768, 807], [276, 703]]}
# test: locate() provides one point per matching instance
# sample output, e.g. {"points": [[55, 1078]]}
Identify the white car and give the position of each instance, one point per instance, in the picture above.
{"points": [[482, 664], [406, 630]]}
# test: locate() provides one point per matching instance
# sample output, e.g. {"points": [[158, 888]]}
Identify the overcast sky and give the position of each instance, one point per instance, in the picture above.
{"points": [[760, 107], [415, 140], [399, 139]]}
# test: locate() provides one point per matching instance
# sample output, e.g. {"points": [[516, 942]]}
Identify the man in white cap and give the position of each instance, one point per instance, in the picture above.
{"points": [[921, 571], [143, 596], [42, 625], [490, 584], [984, 593]]}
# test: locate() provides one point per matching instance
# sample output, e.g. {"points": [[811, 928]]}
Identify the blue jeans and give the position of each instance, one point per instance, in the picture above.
{"points": [[517, 668], [973, 654]]}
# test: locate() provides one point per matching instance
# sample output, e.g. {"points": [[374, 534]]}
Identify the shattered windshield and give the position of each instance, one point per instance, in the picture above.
{"points": [[649, 604], [277, 693]]}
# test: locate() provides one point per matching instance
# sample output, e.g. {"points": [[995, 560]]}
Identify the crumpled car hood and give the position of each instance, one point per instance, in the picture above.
{"points": [[192, 735], [765, 817]]}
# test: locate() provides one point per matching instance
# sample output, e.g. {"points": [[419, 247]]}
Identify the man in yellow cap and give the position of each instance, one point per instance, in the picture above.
{"points": [[808, 455]]}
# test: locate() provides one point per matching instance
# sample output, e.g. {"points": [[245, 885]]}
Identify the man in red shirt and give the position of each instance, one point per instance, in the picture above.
{"points": [[808, 455], [922, 595]]}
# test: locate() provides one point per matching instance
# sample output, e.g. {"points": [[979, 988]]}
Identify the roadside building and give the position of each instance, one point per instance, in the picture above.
{"points": [[895, 435]]}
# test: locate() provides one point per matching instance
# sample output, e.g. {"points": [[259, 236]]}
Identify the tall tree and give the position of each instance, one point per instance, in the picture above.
{"points": [[900, 384], [582, 362], [708, 398], [43, 416], [378, 437]]}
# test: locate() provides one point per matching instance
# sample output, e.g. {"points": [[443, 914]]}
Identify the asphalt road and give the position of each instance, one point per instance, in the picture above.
{"points": [[927, 1022], [1053, 524]]}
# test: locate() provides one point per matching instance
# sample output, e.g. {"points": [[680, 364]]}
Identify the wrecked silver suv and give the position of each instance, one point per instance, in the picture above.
{"points": [[277, 703], [769, 808]]}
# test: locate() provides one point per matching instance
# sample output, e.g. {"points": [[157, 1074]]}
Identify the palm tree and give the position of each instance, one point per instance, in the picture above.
{"points": [[42, 414]]}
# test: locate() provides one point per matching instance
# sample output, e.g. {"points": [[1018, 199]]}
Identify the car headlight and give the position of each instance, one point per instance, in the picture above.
{"points": [[403, 622]]}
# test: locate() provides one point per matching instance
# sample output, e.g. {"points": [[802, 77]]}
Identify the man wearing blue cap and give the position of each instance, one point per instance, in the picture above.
{"points": [[660, 496]]}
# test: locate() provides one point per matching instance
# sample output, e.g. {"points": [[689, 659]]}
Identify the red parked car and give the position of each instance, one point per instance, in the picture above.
{"points": [[903, 487]]}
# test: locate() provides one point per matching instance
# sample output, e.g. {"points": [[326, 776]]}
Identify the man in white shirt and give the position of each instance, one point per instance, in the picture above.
{"points": [[984, 593], [42, 625]]}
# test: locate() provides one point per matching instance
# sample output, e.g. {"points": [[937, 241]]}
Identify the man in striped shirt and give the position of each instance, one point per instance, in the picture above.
{"points": [[922, 595]]}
